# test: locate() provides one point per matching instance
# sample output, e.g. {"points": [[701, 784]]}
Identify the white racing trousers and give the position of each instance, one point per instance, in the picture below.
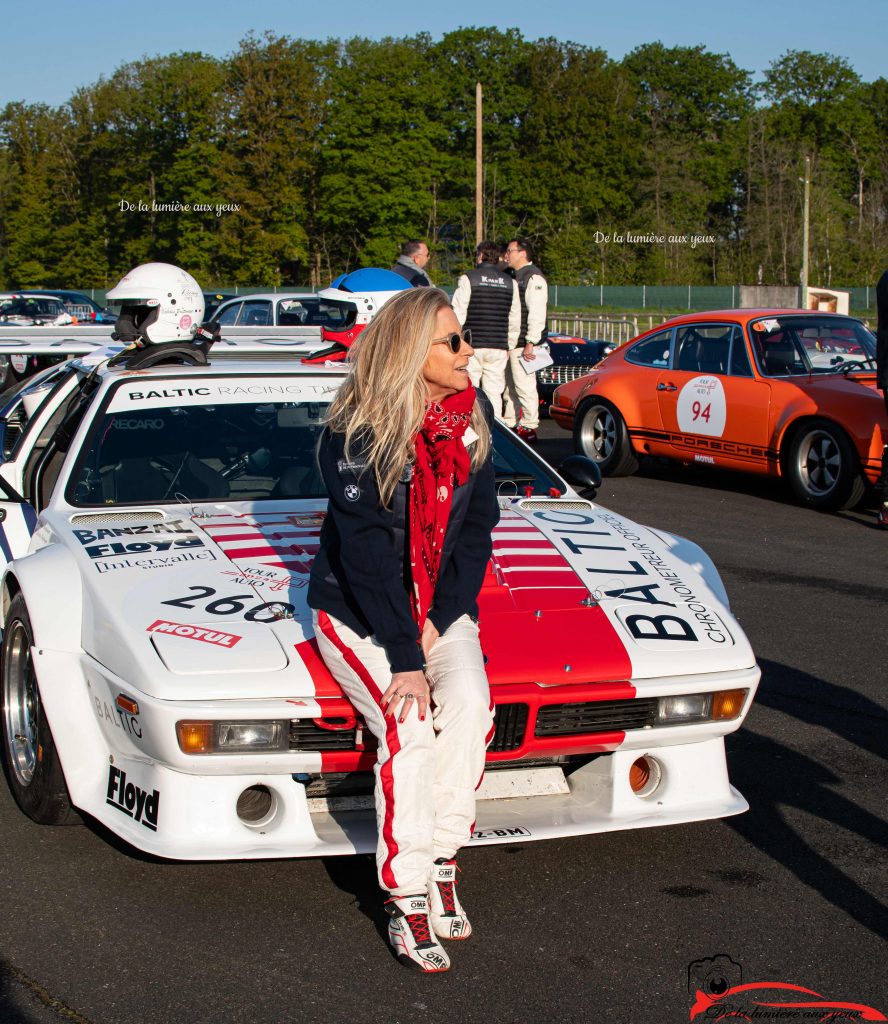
{"points": [[521, 393], [427, 772]]}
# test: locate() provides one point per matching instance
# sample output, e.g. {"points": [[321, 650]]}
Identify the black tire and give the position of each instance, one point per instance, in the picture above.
{"points": [[30, 759], [822, 467], [600, 434]]}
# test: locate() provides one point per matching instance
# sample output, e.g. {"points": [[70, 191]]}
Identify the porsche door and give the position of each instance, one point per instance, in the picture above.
{"points": [[712, 407]]}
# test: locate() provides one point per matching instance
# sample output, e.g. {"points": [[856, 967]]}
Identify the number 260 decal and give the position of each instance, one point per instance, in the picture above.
{"points": [[230, 605]]}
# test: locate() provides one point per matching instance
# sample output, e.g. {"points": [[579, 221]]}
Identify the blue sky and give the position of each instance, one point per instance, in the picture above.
{"points": [[52, 50]]}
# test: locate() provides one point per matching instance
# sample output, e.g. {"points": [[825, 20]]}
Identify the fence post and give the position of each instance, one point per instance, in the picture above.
{"points": [[689, 296], [601, 295], [643, 296], [556, 302]]}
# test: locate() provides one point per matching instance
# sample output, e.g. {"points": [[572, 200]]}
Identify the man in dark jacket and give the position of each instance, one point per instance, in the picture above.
{"points": [[882, 382], [411, 263], [486, 301]]}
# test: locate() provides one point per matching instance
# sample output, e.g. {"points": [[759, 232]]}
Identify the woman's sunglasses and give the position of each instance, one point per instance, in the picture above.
{"points": [[455, 340]]}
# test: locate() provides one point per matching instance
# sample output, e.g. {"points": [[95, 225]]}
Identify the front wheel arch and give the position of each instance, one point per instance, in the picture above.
{"points": [[821, 464]]}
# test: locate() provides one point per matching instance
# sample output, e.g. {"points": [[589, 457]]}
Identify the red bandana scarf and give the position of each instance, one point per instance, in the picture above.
{"points": [[442, 463]]}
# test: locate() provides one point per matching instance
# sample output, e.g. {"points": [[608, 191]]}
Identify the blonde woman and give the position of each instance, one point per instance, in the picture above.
{"points": [[406, 459]]}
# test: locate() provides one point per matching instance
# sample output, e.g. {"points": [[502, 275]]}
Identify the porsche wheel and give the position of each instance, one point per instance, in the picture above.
{"points": [[600, 434], [823, 468], [32, 764]]}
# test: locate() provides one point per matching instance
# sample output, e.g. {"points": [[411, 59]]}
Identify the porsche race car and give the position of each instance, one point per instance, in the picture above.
{"points": [[159, 671]]}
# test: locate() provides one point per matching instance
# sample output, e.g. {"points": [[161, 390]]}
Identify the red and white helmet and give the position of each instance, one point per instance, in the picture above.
{"points": [[159, 303], [360, 295]]}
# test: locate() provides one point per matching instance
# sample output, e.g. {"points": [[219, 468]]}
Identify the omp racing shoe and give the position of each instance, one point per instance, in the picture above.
{"points": [[882, 516], [410, 934], [448, 918]]}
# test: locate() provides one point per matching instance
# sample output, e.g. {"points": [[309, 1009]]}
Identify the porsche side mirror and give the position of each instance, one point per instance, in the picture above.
{"points": [[582, 474]]}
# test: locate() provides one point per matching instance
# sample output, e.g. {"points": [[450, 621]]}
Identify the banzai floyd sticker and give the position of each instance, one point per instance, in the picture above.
{"points": [[702, 407]]}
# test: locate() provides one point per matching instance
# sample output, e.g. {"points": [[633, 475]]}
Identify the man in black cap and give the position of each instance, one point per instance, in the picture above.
{"points": [[882, 382]]}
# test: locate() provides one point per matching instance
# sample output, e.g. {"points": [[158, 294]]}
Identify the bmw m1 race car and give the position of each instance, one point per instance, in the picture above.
{"points": [[159, 671]]}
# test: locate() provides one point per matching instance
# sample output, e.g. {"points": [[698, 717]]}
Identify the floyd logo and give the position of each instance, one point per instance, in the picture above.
{"points": [[352, 492]]}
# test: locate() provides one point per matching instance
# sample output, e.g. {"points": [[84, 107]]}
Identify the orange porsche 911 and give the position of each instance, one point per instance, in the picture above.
{"points": [[788, 393]]}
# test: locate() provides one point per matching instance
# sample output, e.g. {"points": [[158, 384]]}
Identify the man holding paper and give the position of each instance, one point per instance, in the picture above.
{"points": [[521, 382]]}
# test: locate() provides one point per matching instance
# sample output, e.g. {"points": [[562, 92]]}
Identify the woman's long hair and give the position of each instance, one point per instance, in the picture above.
{"points": [[384, 398]]}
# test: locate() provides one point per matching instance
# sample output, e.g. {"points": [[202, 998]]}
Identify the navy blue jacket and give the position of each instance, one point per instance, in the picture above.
{"points": [[361, 573]]}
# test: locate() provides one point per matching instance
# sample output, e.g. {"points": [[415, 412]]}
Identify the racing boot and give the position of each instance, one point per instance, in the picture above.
{"points": [[410, 934], [448, 918], [882, 516]]}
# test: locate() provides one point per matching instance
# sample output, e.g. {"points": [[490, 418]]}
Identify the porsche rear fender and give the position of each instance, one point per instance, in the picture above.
{"points": [[630, 415]]}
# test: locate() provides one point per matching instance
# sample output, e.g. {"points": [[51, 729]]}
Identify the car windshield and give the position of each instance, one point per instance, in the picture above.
{"points": [[171, 440], [31, 307], [787, 345]]}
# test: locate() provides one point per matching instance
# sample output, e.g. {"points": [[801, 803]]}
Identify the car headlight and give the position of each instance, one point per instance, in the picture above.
{"points": [[720, 706], [233, 737]]}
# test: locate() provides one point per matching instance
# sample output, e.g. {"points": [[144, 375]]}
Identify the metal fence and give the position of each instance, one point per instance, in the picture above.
{"points": [[604, 296], [612, 329]]}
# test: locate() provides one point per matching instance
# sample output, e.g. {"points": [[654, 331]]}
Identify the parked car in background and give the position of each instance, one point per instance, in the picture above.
{"points": [[572, 357], [294, 309], [28, 309], [785, 393], [79, 305], [212, 301]]}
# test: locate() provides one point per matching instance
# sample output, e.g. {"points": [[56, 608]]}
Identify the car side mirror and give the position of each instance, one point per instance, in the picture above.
{"points": [[582, 474]]}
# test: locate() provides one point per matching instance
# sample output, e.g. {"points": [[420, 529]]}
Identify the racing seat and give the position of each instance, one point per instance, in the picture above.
{"points": [[148, 479], [780, 357]]}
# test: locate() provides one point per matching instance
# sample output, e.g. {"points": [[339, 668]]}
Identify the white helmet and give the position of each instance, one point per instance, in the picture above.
{"points": [[159, 303]]}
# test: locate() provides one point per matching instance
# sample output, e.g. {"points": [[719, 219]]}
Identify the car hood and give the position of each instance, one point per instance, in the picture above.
{"points": [[210, 602]]}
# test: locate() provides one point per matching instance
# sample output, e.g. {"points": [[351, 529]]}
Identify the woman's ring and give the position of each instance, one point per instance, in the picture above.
{"points": [[408, 696]]}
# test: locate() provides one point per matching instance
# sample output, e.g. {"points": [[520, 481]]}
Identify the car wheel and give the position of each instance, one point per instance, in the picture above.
{"points": [[823, 468], [30, 759], [600, 434]]}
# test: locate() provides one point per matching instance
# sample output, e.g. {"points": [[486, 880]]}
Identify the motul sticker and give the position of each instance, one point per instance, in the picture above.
{"points": [[206, 636]]}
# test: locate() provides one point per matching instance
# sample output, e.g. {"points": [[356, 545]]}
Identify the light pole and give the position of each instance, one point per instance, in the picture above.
{"points": [[479, 177], [806, 229]]}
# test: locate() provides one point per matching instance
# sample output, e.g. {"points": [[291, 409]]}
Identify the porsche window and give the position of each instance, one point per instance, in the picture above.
{"points": [[255, 314], [711, 348], [787, 345], [653, 351], [311, 312]]}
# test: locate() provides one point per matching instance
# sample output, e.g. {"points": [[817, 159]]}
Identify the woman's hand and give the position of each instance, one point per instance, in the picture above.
{"points": [[429, 635], [406, 689]]}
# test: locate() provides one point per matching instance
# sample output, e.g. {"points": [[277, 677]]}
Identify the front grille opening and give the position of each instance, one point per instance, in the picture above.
{"points": [[339, 734], [596, 716], [510, 725]]}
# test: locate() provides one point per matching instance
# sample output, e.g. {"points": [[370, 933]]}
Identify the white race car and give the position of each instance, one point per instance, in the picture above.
{"points": [[159, 670]]}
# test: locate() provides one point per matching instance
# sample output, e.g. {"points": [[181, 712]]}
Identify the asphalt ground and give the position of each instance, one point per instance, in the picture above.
{"points": [[596, 928]]}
